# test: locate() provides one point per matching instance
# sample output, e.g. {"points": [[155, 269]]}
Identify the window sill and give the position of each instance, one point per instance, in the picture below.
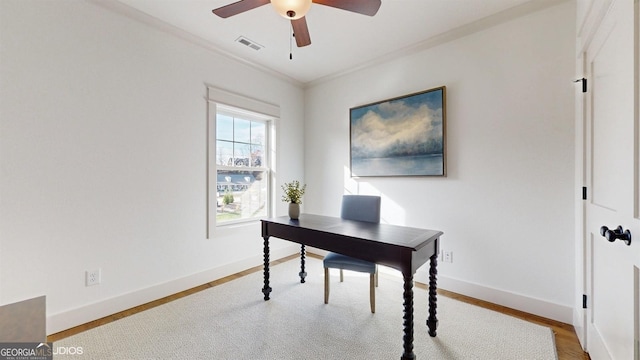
{"points": [[227, 229]]}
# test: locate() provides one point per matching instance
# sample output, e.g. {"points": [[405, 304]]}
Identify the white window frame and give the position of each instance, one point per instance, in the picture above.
{"points": [[251, 109]]}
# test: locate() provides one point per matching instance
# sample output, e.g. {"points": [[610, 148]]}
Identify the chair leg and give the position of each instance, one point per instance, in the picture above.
{"points": [[341, 276], [326, 285], [372, 293], [376, 275]]}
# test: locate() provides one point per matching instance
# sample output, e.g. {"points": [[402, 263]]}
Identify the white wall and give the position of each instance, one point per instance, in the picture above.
{"points": [[506, 205], [102, 159]]}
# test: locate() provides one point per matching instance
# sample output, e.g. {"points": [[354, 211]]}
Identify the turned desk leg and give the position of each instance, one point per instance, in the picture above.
{"points": [[302, 273], [408, 318], [266, 290], [432, 321]]}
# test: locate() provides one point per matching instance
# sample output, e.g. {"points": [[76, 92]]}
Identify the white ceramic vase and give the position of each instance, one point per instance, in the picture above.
{"points": [[294, 211]]}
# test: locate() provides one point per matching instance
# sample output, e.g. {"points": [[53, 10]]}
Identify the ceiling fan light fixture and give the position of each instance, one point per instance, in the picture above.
{"points": [[292, 9]]}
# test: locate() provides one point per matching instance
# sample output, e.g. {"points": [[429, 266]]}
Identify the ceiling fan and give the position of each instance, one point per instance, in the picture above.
{"points": [[295, 10]]}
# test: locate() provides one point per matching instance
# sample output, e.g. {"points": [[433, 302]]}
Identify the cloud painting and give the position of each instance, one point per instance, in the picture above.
{"points": [[399, 137]]}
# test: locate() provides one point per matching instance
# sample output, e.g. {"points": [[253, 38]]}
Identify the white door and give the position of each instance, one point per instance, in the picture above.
{"points": [[612, 178]]}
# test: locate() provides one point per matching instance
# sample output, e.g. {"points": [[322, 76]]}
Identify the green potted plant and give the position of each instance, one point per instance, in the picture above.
{"points": [[293, 195]]}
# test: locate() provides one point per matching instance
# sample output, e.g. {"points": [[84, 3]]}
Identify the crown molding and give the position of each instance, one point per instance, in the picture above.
{"points": [[451, 35], [139, 16]]}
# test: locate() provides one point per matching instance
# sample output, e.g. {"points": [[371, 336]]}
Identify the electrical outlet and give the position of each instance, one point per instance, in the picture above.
{"points": [[92, 277], [447, 256]]}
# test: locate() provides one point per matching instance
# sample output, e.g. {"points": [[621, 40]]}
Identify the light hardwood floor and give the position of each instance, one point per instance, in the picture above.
{"points": [[566, 340]]}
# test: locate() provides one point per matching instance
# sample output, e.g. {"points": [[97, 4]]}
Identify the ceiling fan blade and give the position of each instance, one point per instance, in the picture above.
{"points": [[238, 7], [301, 32], [364, 7]]}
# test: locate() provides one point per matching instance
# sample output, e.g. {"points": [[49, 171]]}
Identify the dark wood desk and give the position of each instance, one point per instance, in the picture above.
{"points": [[399, 247]]}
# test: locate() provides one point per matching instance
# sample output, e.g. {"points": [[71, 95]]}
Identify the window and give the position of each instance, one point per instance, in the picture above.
{"points": [[241, 133], [242, 171]]}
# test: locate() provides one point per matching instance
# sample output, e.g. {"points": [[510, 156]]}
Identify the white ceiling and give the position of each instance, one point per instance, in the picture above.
{"points": [[340, 40]]}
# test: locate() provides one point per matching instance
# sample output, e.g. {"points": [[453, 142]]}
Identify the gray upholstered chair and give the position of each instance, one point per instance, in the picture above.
{"points": [[360, 208]]}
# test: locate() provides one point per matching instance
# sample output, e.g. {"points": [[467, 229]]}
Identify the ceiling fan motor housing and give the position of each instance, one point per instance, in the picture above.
{"points": [[292, 9]]}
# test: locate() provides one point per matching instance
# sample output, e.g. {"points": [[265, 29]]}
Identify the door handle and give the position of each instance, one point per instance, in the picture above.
{"points": [[616, 234], [604, 230]]}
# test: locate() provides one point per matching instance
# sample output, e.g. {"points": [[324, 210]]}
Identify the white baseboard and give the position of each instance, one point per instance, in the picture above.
{"points": [[68, 319], [527, 304], [512, 300]]}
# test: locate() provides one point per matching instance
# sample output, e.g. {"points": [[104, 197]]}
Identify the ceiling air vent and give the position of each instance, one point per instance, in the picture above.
{"points": [[250, 43]]}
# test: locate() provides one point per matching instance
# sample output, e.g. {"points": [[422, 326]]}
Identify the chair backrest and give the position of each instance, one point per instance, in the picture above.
{"points": [[361, 208]]}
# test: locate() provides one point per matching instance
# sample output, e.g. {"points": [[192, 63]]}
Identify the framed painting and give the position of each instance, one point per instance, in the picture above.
{"points": [[403, 136]]}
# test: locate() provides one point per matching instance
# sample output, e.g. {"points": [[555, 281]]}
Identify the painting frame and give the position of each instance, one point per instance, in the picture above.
{"points": [[404, 136]]}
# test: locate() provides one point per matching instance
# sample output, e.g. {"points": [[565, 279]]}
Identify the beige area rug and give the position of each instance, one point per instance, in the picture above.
{"points": [[232, 321]]}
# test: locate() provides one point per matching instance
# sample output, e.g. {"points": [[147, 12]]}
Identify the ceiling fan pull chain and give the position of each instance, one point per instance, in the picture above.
{"points": [[290, 42]]}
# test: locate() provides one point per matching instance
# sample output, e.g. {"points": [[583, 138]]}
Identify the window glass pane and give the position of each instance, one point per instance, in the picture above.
{"points": [[242, 131], [224, 127], [258, 131], [256, 156], [242, 154], [241, 194], [224, 153]]}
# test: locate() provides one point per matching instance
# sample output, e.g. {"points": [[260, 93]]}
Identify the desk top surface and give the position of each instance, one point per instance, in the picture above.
{"points": [[408, 237]]}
